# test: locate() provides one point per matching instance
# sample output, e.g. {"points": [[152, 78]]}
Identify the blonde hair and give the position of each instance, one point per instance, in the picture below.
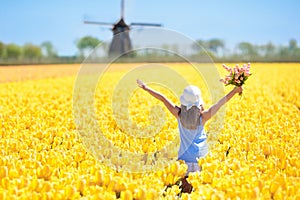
{"points": [[190, 118]]}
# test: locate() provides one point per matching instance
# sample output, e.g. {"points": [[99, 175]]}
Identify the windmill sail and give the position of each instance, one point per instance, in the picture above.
{"points": [[144, 24], [121, 42], [98, 23]]}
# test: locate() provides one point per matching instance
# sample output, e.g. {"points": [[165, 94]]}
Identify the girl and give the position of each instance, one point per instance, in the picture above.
{"points": [[191, 118]]}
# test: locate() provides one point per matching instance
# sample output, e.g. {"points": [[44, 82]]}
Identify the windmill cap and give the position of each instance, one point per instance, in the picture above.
{"points": [[191, 96]]}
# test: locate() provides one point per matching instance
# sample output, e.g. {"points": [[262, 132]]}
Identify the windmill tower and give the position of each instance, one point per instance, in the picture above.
{"points": [[121, 42]]}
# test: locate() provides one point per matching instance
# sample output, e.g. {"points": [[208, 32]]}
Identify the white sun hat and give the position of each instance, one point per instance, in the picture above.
{"points": [[191, 96]]}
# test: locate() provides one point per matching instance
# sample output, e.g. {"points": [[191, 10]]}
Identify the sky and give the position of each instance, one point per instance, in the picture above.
{"points": [[233, 21]]}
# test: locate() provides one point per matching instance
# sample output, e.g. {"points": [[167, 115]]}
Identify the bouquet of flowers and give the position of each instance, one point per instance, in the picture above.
{"points": [[237, 75]]}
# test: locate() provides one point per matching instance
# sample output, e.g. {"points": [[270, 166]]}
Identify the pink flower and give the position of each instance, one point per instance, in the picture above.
{"points": [[244, 68], [237, 75], [227, 68], [227, 78], [236, 71]]}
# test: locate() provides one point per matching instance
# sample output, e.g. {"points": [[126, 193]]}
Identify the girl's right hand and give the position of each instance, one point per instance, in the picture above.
{"points": [[238, 89]]}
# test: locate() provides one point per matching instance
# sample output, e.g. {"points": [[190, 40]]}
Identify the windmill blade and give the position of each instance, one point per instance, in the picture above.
{"points": [[122, 9], [144, 24], [98, 23]]}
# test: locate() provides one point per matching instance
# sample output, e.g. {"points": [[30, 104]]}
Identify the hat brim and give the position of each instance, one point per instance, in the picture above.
{"points": [[184, 102]]}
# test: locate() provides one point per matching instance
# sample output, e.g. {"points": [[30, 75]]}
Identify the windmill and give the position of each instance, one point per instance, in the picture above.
{"points": [[121, 42]]}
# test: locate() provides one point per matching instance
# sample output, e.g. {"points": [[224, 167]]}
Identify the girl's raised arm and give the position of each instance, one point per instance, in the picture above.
{"points": [[170, 106], [206, 115]]}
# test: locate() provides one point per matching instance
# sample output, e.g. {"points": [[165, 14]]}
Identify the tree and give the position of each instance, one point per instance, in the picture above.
{"points": [[267, 50], [49, 50], [247, 49], [270, 49], [87, 43], [32, 51], [290, 52], [292, 44], [200, 45], [201, 48], [13, 51], [2, 49], [214, 45]]}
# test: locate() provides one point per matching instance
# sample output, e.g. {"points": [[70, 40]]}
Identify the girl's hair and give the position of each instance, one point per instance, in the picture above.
{"points": [[190, 119]]}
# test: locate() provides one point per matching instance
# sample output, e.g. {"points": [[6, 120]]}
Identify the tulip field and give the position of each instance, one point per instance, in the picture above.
{"points": [[42, 155]]}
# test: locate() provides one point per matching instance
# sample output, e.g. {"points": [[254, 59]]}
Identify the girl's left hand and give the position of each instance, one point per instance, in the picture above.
{"points": [[141, 84]]}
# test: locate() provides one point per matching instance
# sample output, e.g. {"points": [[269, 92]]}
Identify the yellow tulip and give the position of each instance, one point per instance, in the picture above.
{"points": [[70, 191], [46, 187], [141, 194], [267, 150], [175, 168], [80, 185], [206, 177], [3, 171], [126, 195], [283, 163], [43, 155], [274, 187], [99, 177], [121, 186], [169, 179], [13, 173], [34, 184]]}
